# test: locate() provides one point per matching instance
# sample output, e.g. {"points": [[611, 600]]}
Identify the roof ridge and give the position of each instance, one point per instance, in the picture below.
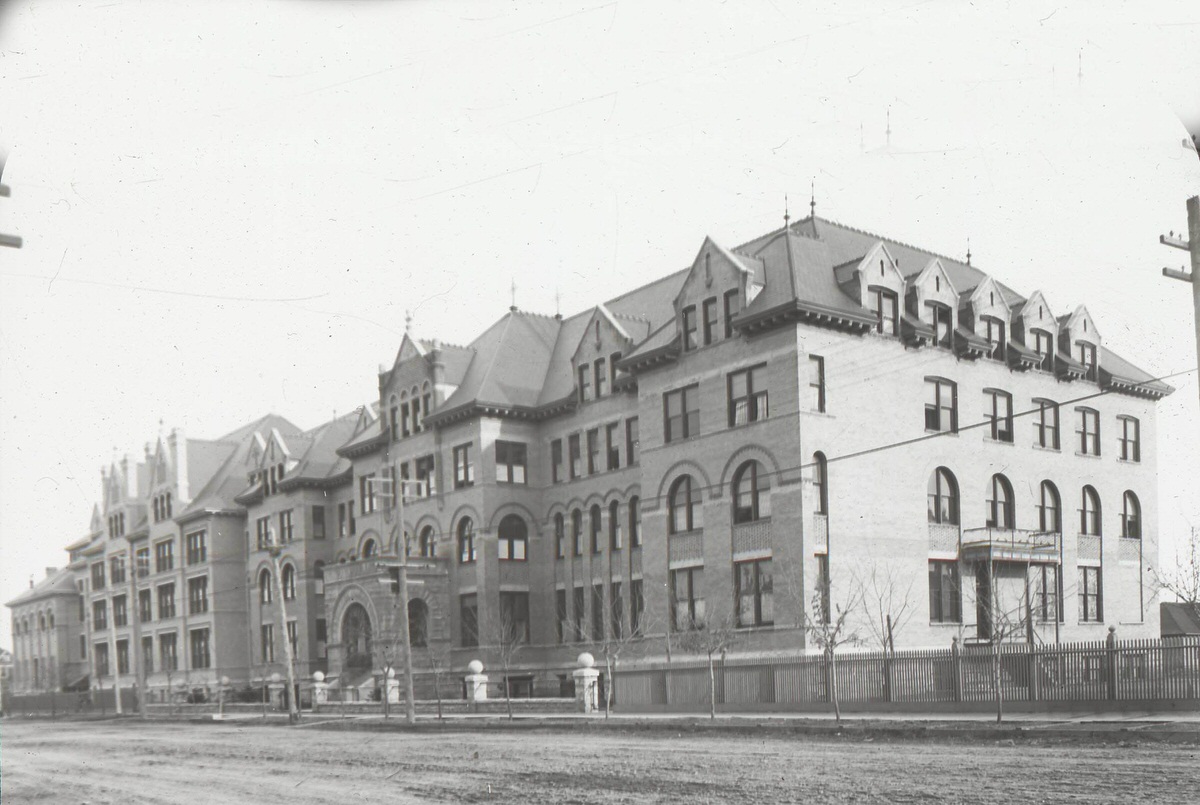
{"points": [[877, 236]]}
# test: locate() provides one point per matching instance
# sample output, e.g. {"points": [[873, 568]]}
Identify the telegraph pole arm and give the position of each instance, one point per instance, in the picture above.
{"points": [[398, 486], [1192, 247], [274, 549]]}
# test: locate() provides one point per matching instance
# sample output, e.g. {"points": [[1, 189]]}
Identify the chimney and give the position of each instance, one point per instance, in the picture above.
{"points": [[438, 370], [179, 460]]}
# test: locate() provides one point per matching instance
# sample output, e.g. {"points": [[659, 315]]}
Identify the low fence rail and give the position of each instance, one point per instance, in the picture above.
{"points": [[1101, 675]]}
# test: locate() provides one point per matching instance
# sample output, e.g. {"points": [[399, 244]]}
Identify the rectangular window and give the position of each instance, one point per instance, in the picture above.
{"points": [[148, 654], [600, 376], [1089, 431], [292, 637], [98, 576], [943, 325], [164, 556], [464, 470], [267, 638], [366, 493], [341, 509], [468, 620], [122, 656], [561, 621], [1087, 356], [120, 611], [556, 458], [710, 320], [687, 598], [418, 420], [100, 652], [197, 547], [593, 451], [1091, 606], [99, 615], [886, 307], [597, 613], [637, 605], [816, 385], [166, 601], [404, 420], [585, 383], [350, 515], [168, 657], [285, 526], [117, 569], [612, 368], [262, 532], [145, 606], [510, 462], [689, 327], [632, 441], [1047, 593], [616, 611], [612, 444], [578, 600], [1045, 427], [731, 309], [681, 409], [83, 647], [320, 628], [426, 480], [318, 522], [514, 617], [1131, 438], [994, 333], [1000, 415], [143, 562], [1043, 345], [198, 595], [747, 399], [941, 412], [754, 593], [945, 601], [200, 654], [574, 457]]}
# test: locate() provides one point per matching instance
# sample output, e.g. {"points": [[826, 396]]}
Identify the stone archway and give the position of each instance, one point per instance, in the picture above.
{"points": [[356, 639]]}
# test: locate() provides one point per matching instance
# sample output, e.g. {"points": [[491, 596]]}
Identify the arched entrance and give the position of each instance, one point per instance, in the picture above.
{"points": [[356, 639]]}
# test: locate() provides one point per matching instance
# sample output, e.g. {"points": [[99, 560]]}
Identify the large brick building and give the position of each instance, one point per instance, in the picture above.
{"points": [[736, 442]]}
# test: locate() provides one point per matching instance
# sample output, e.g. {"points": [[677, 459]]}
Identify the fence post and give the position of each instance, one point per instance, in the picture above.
{"points": [[956, 669], [1034, 673], [1111, 662]]}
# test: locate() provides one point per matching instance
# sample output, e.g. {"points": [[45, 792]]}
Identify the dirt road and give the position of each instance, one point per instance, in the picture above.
{"points": [[127, 762]]}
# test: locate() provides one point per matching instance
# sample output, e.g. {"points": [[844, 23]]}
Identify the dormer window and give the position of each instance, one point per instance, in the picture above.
{"points": [[600, 375], [886, 305], [1087, 356], [731, 308], [689, 327], [585, 383], [1043, 345], [993, 331], [943, 323], [710, 320]]}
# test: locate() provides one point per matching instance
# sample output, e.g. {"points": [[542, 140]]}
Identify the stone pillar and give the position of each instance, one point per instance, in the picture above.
{"points": [[477, 682], [277, 687], [587, 685], [392, 687], [320, 690]]}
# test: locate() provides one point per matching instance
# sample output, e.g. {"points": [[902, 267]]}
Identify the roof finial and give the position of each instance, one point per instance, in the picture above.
{"points": [[812, 198], [968, 251], [786, 217], [513, 306], [557, 305], [408, 322]]}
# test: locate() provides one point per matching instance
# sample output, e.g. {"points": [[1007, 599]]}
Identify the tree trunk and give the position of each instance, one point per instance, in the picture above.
{"points": [[437, 692], [712, 688], [996, 680], [609, 683], [833, 688]]}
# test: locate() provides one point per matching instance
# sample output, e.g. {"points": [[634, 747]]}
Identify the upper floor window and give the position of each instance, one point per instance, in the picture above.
{"points": [[942, 319], [1131, 516], [731, 309], [1045, 425], [594, 517], [632, 441], [142, 559], [1087, 356], [614, 526], [464, 470], [681, 409], [600, 376], [116, 569], [366, 493], [265, 593], [941, 410], [1000, 510], [289, 582], [1000, 415], [512, 539], [993, 331], [747, 397], [286, 533], [423, 468], [510, 462], [1049, 509], [198, 595], [885, 303], [689, 327], [577, 532], [943, 497], [612, 446], [197, 548], [593, 451], [585, 383], [98, 576], [574, 456], [262, 532], [1089, 512], [556, 458], [466, 541], [1043, 345], [816, 383], [635, 522], [711, 333], [427, 543], [821, 482], [1131, 430], [164, 556], [686, 506], [560, 536], [751, 493], [1089, 431]]}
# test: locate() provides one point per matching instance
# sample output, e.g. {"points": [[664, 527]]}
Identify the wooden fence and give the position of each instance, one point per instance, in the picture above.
{"points": [[1147, 674]]}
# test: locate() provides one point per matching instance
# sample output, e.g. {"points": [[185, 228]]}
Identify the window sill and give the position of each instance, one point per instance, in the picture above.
{"points": [[745, 424], [1087, 455], [1134, 462], [990, 440], [946, 624], [946, 432], [1047, 449]]}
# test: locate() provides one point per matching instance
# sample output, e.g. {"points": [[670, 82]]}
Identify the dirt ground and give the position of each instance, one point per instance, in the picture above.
{"points": [[160, 762]]}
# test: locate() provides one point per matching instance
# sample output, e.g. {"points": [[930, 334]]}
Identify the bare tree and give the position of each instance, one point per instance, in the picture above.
{"points": [[438, 658], [711, 637], [1008, 623], [888, 603], [611, 647], [509, 636], [830, 625], [1183, 581]]}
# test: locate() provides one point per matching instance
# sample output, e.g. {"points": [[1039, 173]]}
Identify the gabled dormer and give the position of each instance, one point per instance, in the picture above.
{"points": [[985, 313], [594, 363], [1079, 340], [876, 282], [119, 492], [274, 463], [718, 287], [1036, 329], [933, 300]]}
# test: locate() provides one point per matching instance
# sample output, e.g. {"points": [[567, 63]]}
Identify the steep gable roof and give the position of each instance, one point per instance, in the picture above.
{"points": [[60, 582]]}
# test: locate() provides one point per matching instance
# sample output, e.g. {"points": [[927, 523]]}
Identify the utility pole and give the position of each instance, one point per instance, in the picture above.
{"points": [[116, 655], [1192, 246], [274, 549], [135, 609], [401, 572]]}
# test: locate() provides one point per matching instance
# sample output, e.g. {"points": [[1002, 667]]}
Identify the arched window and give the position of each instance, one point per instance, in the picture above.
{"points": [[594, 518], [751, 493], [42, 622], [577, 531], [560, 536], [394, 417], [821, 482], [1049, 509], [686, 511], [319, 577], [264, 586], [370, 549], [1000, 512], [168, 504], [418, 623], [614, 526], [1131, 517], [356, 638], [427, 542], [1090, 520], [50, 616], [943, 497], [513, 539], [289, 582], [466, 541], [635, 522]]}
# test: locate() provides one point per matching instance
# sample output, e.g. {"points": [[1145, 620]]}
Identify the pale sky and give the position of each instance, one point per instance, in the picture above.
{"points": [[227, 207]]}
